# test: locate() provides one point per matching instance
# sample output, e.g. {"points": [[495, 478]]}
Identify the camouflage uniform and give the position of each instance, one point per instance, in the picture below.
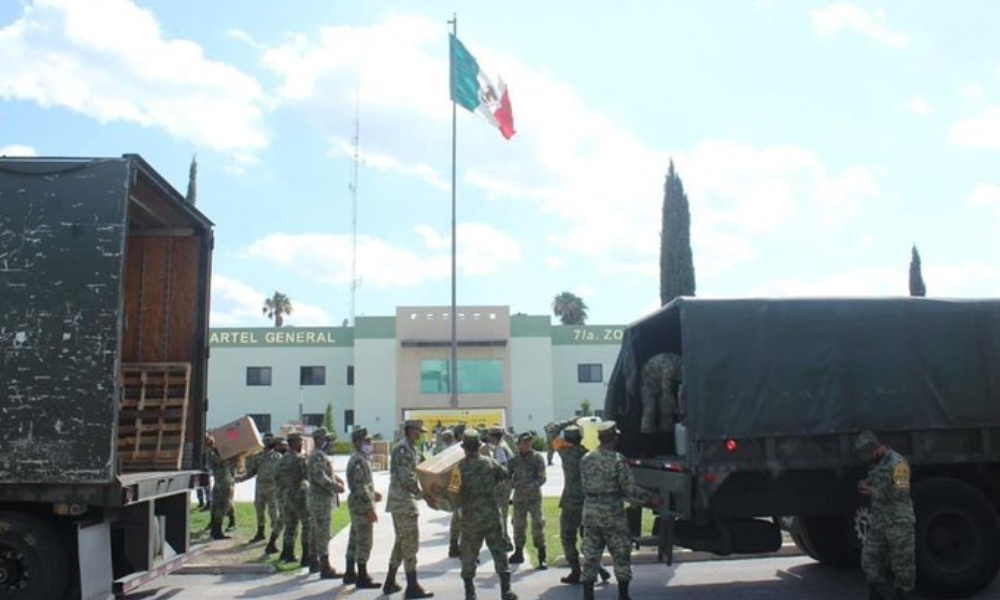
{"points": [[571, 502], [323, 489], [293, 484], [360, 503], [527, 474], [607, 483], [480, 475], [888, 554], [224, 474], [660, 378], [264, 466], [404, 491], [501, 452]]}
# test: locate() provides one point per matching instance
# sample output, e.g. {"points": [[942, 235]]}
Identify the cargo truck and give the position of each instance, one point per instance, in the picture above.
{"points": [[104, 291], [772, 395]]}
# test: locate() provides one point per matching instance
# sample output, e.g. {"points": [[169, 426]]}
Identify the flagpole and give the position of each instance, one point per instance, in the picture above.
{"points": [[453, 364]]}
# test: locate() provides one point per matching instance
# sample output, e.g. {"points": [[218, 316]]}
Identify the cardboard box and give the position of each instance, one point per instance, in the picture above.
{"points": [[435, 475], [238, 437]]}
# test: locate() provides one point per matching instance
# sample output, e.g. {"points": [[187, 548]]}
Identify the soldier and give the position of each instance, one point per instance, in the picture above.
{"points": [[888, 554], [280, 447], [455, 526], [224, 474], [361, 505], [501, 452], [607, 483], [527, 475], [293, 483], [404, 491], [263, 466], [660, 382], [324, 486], [480, 474], [551, 430]]}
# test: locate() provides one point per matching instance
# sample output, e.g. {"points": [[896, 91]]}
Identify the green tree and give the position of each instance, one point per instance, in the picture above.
{"points": [[192, 194], [917, 287], [276, 307], [329, 423], [585, 408], [676, 260], [570, 308]]}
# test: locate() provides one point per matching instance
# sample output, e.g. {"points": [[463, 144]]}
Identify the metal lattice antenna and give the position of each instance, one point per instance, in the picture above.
{"points": [[356, 161]]}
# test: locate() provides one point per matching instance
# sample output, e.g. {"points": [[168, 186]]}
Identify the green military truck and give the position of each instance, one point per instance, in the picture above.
{"points": [[104, 291], [773, 394]]}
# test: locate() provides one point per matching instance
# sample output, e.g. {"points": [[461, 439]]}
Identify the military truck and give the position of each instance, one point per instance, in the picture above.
{"points": [[104, 291], [772, 395]]}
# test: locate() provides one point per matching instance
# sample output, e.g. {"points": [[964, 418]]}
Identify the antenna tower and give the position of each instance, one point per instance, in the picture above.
{"points": [[356, 160]]}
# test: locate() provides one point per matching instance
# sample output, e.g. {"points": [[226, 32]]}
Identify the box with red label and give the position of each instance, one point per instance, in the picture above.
{"points": [[436, 475], [236, 438]]}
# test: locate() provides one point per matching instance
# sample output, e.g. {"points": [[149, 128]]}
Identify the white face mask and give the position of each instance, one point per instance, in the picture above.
{"points": [[367, 449]]}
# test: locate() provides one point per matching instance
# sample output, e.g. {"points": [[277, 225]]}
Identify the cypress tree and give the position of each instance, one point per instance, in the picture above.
{"points": [[917, 287], [192, 194], [676, 259]]}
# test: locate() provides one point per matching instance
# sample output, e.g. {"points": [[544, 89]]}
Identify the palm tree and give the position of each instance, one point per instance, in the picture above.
{"points": [[570, 308], [276, 307]]}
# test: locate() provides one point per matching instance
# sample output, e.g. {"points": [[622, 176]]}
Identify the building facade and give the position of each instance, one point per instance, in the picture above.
{"points": [[518, 370]]}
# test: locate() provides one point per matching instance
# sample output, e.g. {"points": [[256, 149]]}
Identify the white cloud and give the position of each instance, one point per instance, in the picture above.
{"points": [[554, 262], [965, 280], [972, 91], [920, 106], [829, 21], [17, 150], [387, 163], [236, 304], [986, 196], [109, 60], [482, 249], [981, 132]]}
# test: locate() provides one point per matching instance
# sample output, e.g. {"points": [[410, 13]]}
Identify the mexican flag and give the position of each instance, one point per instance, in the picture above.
{"points": [[474, 91]]}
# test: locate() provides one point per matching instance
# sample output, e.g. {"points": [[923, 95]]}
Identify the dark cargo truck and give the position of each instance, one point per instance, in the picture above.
{"points": [[774, 393], [104, 289]]}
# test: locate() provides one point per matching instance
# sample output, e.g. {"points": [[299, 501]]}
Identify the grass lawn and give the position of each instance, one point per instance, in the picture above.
{"points": [[246, 528]]}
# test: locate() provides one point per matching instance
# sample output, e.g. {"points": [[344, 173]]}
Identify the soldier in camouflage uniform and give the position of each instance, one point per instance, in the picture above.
{"points": [[280, 447], [888, 555], [607, 484], [527, 475], [224, 474], [501, 452], [404, 491], [480, 474], [263, 466], [660, 381], [323, 489], [293, 484], [361, 505]]}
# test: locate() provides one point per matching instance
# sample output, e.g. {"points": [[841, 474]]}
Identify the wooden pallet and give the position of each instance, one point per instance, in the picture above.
{"points": [[153, 416]]}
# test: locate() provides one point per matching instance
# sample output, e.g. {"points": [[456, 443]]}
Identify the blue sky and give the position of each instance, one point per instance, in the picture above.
{"points": [[816, 140]]}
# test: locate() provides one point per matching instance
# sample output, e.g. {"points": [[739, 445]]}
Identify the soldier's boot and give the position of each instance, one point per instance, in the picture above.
{"points": [[623, 590], [588, 590], [390, 586], [518, 556], [470, 588], [505, 591], [413, 589], [542, 565], [260, 535], [232, 522], [287, 554], [350, 575], [605, 576], [453, 549], [901, 594], [573, 577], [326, 570], [364, 579], [875, 592], [271, 547], [217, 531], [306, 554]]}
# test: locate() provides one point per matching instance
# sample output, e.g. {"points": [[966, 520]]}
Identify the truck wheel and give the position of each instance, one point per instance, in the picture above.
{"points": [[33, 559], [829, 540], [957, 538]]}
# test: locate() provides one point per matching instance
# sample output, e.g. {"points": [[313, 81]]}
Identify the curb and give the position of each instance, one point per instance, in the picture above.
{"points": [[239, 569], [686, 556]]}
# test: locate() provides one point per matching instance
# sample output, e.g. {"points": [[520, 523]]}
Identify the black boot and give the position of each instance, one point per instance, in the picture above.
{"points": [[453, 549], [271, 547], [413, 589], [623, 590], [232, 521], [390, 586], [306, 553], [364, 579], [260, 535], [326, 570], [588, 590], [350, 576], [311, 561], [605, 576], [875, 592], [518, 556], [505, 592], [901, 594], [470, 588], [287, 554], [216, 530], [542, 565], [573, 577]]}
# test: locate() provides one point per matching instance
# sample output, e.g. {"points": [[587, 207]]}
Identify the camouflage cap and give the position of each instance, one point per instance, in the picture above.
{"points": [[607, 428], [277, 439], [866, 443], [572, 433], [470, 438], [414, 424], [320, 432], [295, 436], [496, 430], [447, 434], [526, 436], [360, 433], [268, 436]]}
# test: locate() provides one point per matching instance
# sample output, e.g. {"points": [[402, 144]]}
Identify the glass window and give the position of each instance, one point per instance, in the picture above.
{"points": [[258, 375], [348, 420], [312, 375], [474, 376], [313, 419], [589, 373], [350, 375], [262, 421]]}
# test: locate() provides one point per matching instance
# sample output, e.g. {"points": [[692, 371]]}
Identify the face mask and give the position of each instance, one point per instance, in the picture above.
{"points": [[367, 449]]}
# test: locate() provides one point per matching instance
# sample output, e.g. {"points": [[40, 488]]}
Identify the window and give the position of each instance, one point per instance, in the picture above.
{"points": [[348, 420], [312, 375], [258, 375], [262, 421], [313, 419], [350, 375], [474, 377], [589, 373]]}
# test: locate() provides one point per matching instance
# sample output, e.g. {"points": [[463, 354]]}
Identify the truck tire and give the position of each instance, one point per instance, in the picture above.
{"points": [[34, 563], [829, 540], [957, 538]]}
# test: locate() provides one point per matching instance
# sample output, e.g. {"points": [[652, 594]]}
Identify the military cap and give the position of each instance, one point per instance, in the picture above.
{"points": [[268, 436], [607, 428], [277, 439], [414, 424], [496, 430], [447, 434], [360, 433], [471, 438], [526, 436], [321, 432], [294, 435], [571, 432], [866, 443]]}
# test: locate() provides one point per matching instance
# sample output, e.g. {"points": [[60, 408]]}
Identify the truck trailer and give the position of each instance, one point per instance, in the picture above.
{"points": [[104, 292], [770, 398]]}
